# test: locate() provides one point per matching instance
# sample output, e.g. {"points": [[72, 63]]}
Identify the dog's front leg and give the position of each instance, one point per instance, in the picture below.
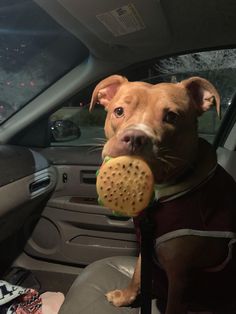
{"points": [[175, 259], [176, 288], [128, 295]]}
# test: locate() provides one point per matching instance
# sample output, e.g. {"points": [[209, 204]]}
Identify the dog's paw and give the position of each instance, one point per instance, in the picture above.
{"points": [[121, 297]]}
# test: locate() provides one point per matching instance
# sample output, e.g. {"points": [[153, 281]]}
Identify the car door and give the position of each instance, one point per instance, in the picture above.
{"points": [[74, 228]]}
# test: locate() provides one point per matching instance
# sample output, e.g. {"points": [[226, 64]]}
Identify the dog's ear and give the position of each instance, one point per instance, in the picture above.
{"points": [[106, 90], [203, 93]]}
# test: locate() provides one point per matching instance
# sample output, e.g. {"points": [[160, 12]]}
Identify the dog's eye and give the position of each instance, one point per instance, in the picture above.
{"points": [[171, 117], [119, 112]]}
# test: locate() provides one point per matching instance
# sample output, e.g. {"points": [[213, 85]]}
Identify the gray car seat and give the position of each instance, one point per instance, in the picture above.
{"points": [[87, 294]]}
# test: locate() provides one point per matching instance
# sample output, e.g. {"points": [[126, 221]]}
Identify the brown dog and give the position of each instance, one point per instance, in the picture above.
{"points": [[195, 220]]}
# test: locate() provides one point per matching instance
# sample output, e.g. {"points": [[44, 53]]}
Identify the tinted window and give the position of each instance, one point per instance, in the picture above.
{"points": [[34, 52]]}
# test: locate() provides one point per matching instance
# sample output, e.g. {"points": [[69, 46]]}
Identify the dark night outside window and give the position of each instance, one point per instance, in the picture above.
{"points": [[34, 52]]}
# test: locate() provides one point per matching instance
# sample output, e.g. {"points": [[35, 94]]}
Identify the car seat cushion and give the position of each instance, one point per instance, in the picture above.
{"points": [[87, 294]]}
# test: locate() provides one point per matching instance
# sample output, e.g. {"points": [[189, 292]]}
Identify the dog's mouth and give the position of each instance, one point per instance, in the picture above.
{"points": [[141, 141]]}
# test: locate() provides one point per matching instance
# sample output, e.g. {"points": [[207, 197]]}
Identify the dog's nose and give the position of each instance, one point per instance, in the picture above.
{"points": [[134, 140]]}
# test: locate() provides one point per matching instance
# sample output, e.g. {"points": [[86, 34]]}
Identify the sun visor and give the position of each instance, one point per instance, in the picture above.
{"points": [[122, 22]]}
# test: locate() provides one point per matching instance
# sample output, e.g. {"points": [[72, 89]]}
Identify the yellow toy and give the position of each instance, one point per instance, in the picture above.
{"points": [[125, 185]]}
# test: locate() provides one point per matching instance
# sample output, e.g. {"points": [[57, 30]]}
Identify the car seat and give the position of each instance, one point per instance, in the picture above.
{"points": [[87, 294]]}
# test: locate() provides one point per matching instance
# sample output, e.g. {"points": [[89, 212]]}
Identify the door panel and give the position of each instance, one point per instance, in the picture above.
{"points": [[73, 228]]}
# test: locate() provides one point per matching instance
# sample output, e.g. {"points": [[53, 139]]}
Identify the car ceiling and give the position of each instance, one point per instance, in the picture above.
{"points": [[167, 27], [163, 28]]}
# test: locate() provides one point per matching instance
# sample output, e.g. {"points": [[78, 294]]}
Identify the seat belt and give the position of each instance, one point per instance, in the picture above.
{"points": [[147, 248]]}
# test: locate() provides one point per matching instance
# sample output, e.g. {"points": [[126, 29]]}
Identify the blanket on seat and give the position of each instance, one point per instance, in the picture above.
{"points": [[19, 300]]}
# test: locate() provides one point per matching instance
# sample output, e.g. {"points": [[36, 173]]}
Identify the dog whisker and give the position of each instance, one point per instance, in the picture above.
{"points": [[95, 148], [175, 158], [96, 144], [166, 153], [163, 149], [171, 165], [100, 139]]}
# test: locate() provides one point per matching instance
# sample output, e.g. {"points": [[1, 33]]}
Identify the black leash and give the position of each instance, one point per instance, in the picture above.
{"points": [[147, 246]]}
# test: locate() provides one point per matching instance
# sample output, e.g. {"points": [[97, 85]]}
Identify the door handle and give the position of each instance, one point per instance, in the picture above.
{"points": [[39, 184], [88, 176]]}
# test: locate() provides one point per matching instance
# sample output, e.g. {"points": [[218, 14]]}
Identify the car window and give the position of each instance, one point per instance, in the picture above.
{"points": [[218, 66], [34, 53], [75, 125]]}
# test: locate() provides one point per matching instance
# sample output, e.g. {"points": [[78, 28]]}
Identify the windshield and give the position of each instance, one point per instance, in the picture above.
{"points": [[34, 52]]}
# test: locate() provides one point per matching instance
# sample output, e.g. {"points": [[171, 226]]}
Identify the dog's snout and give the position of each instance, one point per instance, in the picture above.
{"points": [[134, 140]]}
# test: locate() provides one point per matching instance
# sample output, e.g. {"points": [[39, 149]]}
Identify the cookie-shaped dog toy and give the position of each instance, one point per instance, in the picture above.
{"points": [[125, 185]]}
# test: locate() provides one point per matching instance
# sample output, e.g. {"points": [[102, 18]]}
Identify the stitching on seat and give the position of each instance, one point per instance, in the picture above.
{"points": [[121, 269]]}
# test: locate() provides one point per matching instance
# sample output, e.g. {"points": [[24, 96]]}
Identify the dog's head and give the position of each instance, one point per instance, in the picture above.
{"points": [[157, 122]]}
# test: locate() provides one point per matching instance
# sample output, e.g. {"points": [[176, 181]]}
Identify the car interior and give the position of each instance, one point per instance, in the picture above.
{"points": [[54, 235]]}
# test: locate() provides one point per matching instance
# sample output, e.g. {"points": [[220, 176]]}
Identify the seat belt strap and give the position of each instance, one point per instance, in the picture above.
{"points": [[147, 246]]}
